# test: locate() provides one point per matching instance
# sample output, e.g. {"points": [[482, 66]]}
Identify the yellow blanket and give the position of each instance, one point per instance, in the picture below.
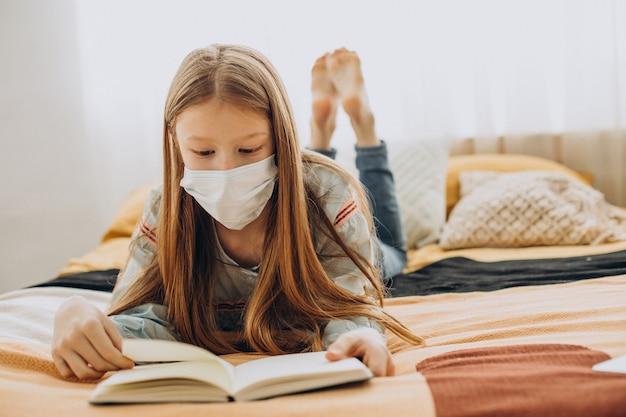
{"points": [[589, 313]]}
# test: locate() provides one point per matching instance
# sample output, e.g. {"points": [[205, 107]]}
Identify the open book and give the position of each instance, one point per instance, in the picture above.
{"points": [[179, 372]]}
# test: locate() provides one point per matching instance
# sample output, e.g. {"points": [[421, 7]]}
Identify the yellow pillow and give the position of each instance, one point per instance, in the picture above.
{"points": [[113, 249], [128, 215], [499, 163]]}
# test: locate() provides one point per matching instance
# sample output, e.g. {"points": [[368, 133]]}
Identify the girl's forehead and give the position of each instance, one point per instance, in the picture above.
{"points": [[217, 106], [216, 119]]}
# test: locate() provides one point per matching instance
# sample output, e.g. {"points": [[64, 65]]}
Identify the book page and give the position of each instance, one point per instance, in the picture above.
{"points": [[285, 374], [154, 350], [164, 382], [208, 372]]}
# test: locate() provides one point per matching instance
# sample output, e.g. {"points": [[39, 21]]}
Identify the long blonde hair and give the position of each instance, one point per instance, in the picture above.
{"points": [[294, 297]]}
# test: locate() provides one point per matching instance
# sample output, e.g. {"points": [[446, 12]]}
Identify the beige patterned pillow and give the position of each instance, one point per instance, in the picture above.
{"points": [[419, 167], [529, 208]]}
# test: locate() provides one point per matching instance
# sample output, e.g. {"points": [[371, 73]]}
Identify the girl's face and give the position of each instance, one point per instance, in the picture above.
{"points": [[218, 136]]}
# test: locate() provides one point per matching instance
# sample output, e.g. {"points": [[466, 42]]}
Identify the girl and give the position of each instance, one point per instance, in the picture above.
{"points": [[252, 243]]}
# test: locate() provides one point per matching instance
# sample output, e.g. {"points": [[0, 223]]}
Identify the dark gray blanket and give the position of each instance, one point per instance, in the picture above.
{"points": [[466, 275], [448, 275]]}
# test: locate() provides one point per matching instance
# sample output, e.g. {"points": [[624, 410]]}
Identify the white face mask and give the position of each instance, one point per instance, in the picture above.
{"points": [[233, 197]]}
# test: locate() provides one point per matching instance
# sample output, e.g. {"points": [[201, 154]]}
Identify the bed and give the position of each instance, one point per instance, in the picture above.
{"points": [[512, 327]]}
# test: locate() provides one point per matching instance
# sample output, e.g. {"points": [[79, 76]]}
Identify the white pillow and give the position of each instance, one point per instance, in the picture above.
{"points": [[529, 208], [419, 167]]}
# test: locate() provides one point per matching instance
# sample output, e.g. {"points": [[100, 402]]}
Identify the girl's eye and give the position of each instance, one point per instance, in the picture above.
{"points": [[204, 153], [248, 150]]}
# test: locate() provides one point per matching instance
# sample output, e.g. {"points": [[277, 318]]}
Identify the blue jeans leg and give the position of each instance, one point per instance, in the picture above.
{"points": [[376, 175]]}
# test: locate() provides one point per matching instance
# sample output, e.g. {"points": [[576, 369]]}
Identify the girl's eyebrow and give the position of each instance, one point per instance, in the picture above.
{"points": [[254, 134], [195, 138]]}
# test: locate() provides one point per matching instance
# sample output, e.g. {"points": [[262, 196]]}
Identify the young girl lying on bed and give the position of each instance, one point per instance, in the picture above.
{"points": [[252, 243]]}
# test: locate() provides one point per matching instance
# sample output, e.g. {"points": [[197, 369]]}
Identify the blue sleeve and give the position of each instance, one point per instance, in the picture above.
{"points": [[148, 321], [143, 247], [341, 206]]}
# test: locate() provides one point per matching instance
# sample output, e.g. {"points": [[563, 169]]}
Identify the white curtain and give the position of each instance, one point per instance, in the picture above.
{"points": [[84, 82]]}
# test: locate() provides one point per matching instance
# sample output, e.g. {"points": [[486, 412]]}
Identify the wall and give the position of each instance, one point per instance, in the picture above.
{"points": [[47, 204]]}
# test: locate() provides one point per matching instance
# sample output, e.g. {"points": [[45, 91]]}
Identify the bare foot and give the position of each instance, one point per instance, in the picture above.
{"points": [[344, 69], [324, 108]]}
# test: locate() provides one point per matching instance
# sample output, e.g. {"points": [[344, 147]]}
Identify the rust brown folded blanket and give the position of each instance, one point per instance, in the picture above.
{"points": [[524, 380]]}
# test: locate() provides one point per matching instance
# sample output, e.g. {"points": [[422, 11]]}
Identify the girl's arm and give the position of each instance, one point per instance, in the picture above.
{"points": [[143, 243], [85, 342], [148, 321], [358, 336]]}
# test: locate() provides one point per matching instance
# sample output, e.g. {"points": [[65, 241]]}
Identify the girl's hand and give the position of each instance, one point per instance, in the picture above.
{"points": [[85, 342], [367, 344]]}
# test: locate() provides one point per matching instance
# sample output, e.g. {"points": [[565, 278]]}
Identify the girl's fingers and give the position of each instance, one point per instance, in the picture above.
{"points": [[80, 368], [366, 344], [63, 367], [103, 350]]}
